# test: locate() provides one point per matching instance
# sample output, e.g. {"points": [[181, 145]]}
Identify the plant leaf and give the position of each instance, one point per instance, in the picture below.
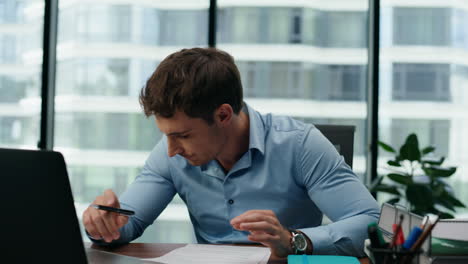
{"points": [[387, 189], [444, 203], [393, 200], [420, 196], [437, 171], [375, 182], [451, 199], [387, 147], [398, 158], [427, 150], [439, 189], [410, 150], [402, 179], [441, 181], [435, 211], [445, 215], [394, 163], [433, 161]]}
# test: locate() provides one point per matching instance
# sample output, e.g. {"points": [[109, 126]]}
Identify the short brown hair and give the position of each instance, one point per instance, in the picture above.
{"points": [[196, 81]]}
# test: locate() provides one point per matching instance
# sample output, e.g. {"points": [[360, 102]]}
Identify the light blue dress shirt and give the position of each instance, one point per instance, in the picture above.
{"points": [[289, 168]]}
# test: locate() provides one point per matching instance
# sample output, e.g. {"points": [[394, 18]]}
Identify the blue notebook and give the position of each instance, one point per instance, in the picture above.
{"points": [[319, 259]]}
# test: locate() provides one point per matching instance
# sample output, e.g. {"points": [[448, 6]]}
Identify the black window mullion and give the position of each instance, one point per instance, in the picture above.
{"points": [[46, 137], [212, 24], [373, 88]]}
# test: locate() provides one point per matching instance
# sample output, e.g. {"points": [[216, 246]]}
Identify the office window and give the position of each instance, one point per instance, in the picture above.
{"points": [[342, 29], [303, 80], [422, 26], [281, 78], [279, 25], [18, 131], [268, 25], [93, 76], [285, 80], [311, 26], [138, 24], [295, 35], [460, 30], [11, 11], [87, 187], [430, 132], [150, 25], [10, 45], [97, 23], [239, 24], [275, 48], [12, 89], [421, 82], [183, 27], [110, 131], [103, 76], [19, 75], [338, 82], [422, 89], [99, 125]]}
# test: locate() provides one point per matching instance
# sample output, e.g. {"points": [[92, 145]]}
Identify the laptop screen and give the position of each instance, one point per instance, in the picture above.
{"points": [[39, 222]]}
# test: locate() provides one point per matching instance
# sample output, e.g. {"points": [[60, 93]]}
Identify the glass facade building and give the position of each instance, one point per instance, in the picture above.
{"points": [[307, 59]]}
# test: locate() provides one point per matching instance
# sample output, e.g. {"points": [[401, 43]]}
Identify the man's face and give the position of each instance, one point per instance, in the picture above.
{"points": [[192, 138]]}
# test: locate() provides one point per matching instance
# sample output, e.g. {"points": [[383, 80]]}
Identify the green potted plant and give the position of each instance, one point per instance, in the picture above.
{"points": [[417, 179]]}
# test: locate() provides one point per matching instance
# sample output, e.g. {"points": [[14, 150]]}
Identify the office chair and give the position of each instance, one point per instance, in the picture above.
{"points": [[342, 137]]}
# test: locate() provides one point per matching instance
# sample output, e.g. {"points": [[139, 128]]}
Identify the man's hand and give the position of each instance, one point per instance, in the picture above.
{"points": [[102, 224], [265, 228]]}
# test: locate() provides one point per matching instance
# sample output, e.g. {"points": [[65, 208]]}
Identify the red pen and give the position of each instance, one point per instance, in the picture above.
{"points": [[398, 238]]}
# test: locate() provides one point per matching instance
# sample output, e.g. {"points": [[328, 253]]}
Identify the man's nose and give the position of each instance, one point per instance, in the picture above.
{"points": [[173, 148]]}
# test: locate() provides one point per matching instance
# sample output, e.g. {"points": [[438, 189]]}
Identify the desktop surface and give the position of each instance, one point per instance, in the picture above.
{"points": [[153, 250]]}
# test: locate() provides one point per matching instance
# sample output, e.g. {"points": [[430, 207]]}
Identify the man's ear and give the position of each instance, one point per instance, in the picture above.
{"points": [[223, 115]]}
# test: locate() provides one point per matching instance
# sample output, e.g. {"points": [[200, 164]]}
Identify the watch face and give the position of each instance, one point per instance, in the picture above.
{"points": [[300, 242]]}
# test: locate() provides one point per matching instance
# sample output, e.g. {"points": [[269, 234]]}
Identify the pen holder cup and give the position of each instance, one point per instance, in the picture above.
{"points": [[393, 256]]}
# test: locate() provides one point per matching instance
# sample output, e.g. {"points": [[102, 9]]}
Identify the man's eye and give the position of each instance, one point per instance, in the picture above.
{"points": [[184, 136]]}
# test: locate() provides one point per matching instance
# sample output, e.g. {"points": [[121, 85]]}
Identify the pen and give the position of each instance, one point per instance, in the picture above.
{"points": [[375, 236], [424, 222], [396, 233], [424, 235], [417, 245], [415, 233], [113, 209], [413, 237]]}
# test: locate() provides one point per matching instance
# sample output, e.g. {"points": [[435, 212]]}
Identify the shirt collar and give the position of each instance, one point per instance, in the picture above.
{"points": [[257, 130], [256, 141]]}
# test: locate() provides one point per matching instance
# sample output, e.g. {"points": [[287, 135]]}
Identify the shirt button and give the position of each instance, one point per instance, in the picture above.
{"points": [[231, 201]]}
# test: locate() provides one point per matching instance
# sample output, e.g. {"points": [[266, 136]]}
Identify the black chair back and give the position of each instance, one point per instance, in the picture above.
{"points": [[342, 137]]}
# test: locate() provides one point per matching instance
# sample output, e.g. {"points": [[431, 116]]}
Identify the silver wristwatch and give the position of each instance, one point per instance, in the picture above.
{"points": [[298, 242]]}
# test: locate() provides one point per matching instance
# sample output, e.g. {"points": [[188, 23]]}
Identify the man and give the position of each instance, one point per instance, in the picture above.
{"points": [[245, 177]]}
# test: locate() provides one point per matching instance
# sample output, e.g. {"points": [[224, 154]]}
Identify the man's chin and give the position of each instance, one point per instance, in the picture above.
{"points": [[192, 162], [195, 162]]}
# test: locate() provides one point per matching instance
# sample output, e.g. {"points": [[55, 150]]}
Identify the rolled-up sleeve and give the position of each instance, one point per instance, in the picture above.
{"points": [[338, 193]]}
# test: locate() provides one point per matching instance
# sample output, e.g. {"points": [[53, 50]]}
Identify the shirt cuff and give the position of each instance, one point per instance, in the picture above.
{"points": [[321, 240]]}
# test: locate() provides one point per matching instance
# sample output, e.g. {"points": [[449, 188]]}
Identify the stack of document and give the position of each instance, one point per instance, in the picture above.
{"points": [[450, 238], [215, 254]]}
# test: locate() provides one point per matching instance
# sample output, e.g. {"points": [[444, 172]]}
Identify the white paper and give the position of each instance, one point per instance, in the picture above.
{"points": [[207, 254], [451, 229]]}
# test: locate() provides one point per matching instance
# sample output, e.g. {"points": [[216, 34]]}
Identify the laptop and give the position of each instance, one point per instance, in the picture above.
{"points": [[38, 219]]}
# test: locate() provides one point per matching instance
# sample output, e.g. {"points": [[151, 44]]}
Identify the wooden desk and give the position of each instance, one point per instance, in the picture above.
{"points": [[153, 250]]}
